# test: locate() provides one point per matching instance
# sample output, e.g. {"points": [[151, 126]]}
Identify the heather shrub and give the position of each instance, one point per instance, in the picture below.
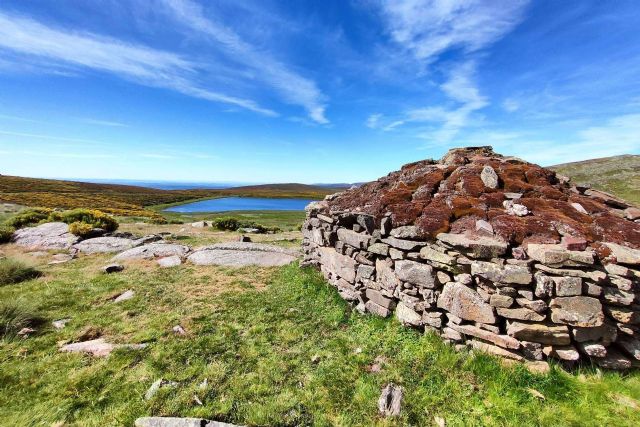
{"points": [[226, 223], [30, 217]]}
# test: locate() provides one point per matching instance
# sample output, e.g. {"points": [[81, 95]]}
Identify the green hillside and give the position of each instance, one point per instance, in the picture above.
{"points": [[619, 175]]}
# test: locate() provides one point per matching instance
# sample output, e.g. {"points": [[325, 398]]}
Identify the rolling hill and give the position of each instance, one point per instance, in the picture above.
{"points": [[618, 175], [128, 200]]}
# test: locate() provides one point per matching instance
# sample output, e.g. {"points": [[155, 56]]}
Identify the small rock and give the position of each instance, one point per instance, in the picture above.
{"points": [[169, 261], [98, 347], [489, 177], [515, 208], [579, 208], [484, 226], [244, 238], [126, 295], [390, 400], [112, 268], [536, 393], [632, 213], [179, 330], [59, 324], [157, 385], [25, 332], [538, 367], [315, 359]]}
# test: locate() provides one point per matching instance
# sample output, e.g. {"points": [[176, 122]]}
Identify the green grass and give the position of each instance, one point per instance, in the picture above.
{"points": [[285, 220], [255, 349]]}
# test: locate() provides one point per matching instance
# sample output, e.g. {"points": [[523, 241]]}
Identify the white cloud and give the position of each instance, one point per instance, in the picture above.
{"points": [[292, 87], [156, 156], [428, 28], [373, 120], [151, 67], [619, 135], [511, 105]]}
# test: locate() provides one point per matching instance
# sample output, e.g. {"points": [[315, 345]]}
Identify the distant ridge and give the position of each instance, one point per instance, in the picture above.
{"points": [[618, 175]]}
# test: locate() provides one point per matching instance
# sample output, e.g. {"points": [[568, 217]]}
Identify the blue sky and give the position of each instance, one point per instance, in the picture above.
{"points": [[309, 91]]}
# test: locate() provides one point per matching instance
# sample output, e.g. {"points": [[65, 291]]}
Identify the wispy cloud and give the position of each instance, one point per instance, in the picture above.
{"points": [[107, 123], [156, 156], [428, 28], [49, 137], [292, 87], [37, 42], [425, 30]]}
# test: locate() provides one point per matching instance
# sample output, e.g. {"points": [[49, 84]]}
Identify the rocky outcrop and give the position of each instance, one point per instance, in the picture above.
{"points": [[49, 236], [153, 250], [105, 245], [489, 251], [240, 254]]}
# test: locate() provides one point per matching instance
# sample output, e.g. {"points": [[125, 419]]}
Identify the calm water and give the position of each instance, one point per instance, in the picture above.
{"points": [[242, 204]]}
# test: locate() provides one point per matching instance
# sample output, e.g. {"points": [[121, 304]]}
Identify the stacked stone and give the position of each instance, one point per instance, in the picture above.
{"points": [[563, 300]]}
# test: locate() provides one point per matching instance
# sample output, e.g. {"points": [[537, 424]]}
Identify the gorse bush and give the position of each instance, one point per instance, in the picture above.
{"points": [[6, 231], [12, 271], [81, 229], [30, 217], [16, 315], [93, 217]]}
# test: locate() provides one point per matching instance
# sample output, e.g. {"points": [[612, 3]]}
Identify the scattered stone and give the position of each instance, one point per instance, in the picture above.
{"points": [[169, 261], [25, 332], [200, 224], [156, 386], [126, 295], [60, 324], [538, 367], [179, 330], [390, 400], [632, 213], [244, 238], [112, 268], [60, 259]]}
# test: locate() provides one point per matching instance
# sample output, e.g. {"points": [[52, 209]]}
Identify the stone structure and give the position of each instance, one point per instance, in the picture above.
{"points": [[490, 251]]}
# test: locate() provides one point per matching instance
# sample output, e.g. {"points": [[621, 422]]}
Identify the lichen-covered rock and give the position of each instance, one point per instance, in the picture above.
{"points": [[585, 312], [52, 235], [465, 303], [539, 332], [514, 274], [415, 273]]}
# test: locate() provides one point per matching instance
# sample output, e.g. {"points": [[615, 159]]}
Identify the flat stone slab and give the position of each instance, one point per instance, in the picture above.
{"points": [[169, 261], [240, 254], [153, 250], [52, 235], [105, 245], [98, 347]]}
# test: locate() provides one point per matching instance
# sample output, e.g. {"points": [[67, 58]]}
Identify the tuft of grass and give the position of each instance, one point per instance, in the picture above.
{"points": [[12, 271], [17, 315], [6, 231]]}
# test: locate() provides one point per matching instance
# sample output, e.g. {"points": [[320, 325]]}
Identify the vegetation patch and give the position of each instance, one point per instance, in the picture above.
{"points": [[234, 224], [12, 271], [14, 316], [6, 231]]}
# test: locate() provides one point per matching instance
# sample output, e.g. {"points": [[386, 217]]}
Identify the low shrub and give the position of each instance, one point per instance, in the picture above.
{"points": [[6, 231], [30, 217], [81, 229], [16, 315], [93, 217], [12, 271], [158, 220], [226, 223]]}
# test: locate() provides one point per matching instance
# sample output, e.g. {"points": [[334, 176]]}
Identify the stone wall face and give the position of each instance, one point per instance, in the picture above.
{"points": [[533, 302]]}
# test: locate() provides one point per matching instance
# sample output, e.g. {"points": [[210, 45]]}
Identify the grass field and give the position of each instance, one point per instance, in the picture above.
{"points": [[264, 347]]}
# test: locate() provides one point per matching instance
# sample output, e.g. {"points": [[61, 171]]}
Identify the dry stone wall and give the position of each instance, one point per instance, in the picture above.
{"points": [[563, 300]]}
